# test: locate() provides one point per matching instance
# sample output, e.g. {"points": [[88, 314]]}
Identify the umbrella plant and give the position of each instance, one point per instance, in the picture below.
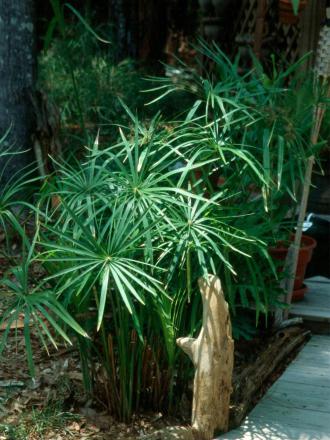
{"points": [[137, 222], [124, 247]]}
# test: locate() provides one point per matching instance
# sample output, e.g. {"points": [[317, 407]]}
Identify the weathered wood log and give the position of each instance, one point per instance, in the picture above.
{"points": [[212, 354], [247, 384]]}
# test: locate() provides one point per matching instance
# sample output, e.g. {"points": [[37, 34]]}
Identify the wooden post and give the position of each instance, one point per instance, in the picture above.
{"points": [[260, 24], [310, 23], [212, 354]]}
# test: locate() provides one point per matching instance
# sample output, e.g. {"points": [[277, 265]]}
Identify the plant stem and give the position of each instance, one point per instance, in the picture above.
{"points": [[188, 274]]}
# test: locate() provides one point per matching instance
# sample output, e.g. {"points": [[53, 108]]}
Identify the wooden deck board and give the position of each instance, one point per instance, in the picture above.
{"points": [[272, 430], [316, 304], [297, 406], [288, 394]]}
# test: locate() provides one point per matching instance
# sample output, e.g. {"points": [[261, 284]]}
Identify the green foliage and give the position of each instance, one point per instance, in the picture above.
{"points": [[125, 231], [132, 233], [269, 116], [80, 74], [295, 5], [38, 422], [12, 204], [37, 305], [254, 127]]}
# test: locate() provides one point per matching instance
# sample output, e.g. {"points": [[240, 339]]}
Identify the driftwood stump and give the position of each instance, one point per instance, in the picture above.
{"points": [[212, 354]]}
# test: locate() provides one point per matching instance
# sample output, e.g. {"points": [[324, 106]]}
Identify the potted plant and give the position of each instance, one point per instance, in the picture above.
{"points": [[279, 252], [290, 10]]}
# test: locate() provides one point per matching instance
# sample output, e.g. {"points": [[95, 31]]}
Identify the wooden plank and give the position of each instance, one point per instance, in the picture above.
{"points": [[289, 394], [309, 358], [317, 313], [261, 430], [302, 368], [297, 406], [289, 382], [294, 417], [316, 304], [316, 351], [319, 341], [318, 345], [315, 348], [301, 365], [310, 375]]}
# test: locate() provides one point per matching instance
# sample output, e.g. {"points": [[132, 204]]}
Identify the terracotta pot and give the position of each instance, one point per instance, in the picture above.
{"points": [[305, 254], [286, 14]]}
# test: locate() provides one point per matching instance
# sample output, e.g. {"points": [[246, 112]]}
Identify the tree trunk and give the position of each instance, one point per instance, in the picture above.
{"points": [[212, 354], [17, 78]]}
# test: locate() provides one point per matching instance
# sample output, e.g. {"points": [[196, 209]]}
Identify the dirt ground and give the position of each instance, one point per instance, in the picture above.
{"points": [[55, 406]]}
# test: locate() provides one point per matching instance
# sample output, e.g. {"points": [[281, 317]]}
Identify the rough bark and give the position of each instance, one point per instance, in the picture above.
{"points": [[17, 78], [212, 354]]}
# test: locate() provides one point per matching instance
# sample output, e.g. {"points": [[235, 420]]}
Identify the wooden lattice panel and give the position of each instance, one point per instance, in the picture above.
{"points": [[290, 35], [283, 39], [246, 20], [277, 38]]}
